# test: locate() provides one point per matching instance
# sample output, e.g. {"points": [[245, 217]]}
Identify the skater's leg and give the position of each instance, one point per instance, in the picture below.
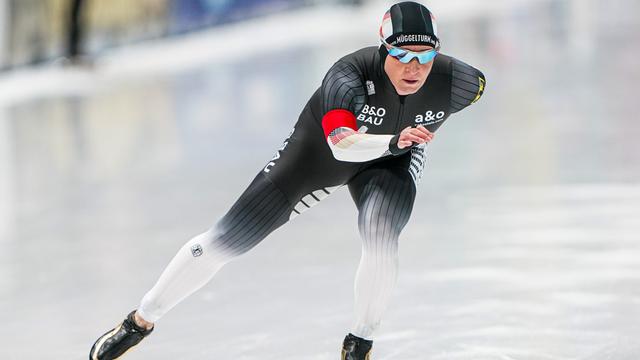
{"points": [[384, 197], [260, 210], [185, 274]]}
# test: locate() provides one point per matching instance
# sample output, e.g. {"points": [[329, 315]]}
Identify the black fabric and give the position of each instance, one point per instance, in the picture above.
{"points": [[383, 189], [260, 210], [393, 146], [305, 162], [384, 195], [397, 19], [467, 85], [342, 88], [356, 348], [410, 18], [128, 334], [268, 202], [381, 98]]}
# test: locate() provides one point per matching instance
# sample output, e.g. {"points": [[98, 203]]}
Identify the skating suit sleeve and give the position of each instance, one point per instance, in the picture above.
{"points": [[343, 94], [467, 85]]}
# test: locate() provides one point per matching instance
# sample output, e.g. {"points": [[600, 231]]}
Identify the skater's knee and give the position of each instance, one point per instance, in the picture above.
{"points": [[379, 236], [219, 241], [208, 244], [378, 224]]}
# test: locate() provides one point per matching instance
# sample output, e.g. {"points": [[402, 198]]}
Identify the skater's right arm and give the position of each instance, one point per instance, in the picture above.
{"points": [[343, 94]]}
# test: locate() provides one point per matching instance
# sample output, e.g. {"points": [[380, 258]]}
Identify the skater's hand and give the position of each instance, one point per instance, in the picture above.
{"points": [[410, 135]]}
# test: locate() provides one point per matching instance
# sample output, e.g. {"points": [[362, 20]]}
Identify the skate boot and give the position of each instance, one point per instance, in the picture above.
{"points": [[355, 348], [118, 340]]}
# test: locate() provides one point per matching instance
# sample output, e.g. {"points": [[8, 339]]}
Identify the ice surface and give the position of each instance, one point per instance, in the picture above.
{"points": [[523, 242]]}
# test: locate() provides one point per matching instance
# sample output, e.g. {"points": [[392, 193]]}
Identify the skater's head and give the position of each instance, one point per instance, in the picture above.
{"points": [[409, 44]]}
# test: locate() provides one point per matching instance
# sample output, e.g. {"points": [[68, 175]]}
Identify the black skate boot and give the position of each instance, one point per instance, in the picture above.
{"points": [[118, 340], [355, 348]]}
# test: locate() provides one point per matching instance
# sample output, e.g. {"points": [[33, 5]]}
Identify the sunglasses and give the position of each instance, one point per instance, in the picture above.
{"points": [[405, 56]]}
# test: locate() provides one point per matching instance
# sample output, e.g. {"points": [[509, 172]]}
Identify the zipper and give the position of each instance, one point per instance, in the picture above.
{"points": [[400, 114]]}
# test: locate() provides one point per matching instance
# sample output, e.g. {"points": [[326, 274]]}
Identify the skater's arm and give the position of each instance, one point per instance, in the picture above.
{"points": [[467, 85], [347, 144], [343, 95]]}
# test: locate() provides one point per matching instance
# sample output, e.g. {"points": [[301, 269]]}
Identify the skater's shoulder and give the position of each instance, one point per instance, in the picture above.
{"points": [[467, 82], [451, 66]]}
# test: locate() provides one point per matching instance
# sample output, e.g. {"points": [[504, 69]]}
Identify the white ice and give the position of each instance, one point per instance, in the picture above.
{"points": [[524, 241]]}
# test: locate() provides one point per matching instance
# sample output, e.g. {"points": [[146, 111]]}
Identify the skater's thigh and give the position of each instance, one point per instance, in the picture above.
{"points": [[384, 194], [273, 198], [304, 168], [259, 210], [301, 173]]}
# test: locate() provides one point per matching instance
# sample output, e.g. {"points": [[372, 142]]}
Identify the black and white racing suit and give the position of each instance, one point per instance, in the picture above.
{"points": [[311, 164]]}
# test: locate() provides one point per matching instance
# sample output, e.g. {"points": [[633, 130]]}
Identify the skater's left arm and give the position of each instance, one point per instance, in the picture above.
{"points": [[467, 85]]}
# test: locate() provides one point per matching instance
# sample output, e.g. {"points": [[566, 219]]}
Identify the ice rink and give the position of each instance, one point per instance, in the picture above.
{"points": [[524, 243]]}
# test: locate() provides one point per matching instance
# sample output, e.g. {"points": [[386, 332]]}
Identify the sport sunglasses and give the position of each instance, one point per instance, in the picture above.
{"points": [[405, 56]]}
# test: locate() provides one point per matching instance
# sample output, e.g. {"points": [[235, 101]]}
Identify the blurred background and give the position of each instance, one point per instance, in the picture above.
{"points": [[127, 127]]}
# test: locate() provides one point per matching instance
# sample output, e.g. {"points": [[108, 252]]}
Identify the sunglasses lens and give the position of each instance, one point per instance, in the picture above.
{"points": [[405, 56], [406, 59], [397, 53], [425, 58]]}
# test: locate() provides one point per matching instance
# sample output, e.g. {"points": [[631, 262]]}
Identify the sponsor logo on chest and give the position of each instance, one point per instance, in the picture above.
{"points": [[430, 117], [372, 115], [371, 88]]}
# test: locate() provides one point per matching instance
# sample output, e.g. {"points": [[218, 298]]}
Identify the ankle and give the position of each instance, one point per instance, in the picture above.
{"points": [[142, 322]]}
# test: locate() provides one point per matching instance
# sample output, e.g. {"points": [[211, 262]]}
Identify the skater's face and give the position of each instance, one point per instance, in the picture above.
{"points": [[408, 78]]}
